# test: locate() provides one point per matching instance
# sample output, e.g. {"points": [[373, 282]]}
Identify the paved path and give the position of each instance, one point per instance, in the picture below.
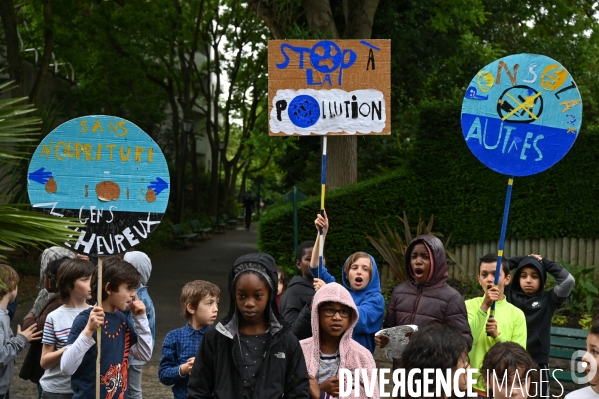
{"points": [[210, 260]]}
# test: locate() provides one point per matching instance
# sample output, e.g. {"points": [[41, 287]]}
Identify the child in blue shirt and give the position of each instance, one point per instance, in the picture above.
{"points": [[120, 337], [361, 278], [199, 306]]}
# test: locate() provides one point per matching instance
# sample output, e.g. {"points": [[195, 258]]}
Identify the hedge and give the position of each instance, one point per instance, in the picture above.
{"points": [[443, 178]]}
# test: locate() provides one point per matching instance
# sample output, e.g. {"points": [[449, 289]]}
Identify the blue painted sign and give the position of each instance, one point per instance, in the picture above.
{"points": [[105, 171], [521, 114]]}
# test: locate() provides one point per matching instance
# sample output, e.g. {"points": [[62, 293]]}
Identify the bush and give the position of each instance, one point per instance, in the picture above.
{"points": [[443, 178]]}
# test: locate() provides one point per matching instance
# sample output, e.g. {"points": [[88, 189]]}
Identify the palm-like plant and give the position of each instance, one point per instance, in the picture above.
{"points": [[19, 226], [392, 246]]}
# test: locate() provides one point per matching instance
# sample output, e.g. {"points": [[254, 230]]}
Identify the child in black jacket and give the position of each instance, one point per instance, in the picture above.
{"points": [[252, 352], [526, 292]]}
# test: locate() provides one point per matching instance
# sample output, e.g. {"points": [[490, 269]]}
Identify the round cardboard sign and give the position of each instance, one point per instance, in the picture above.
{"points": [[521, 114], [105, 171]]}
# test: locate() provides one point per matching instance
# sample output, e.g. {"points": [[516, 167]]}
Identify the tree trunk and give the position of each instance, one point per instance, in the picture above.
{"points": [[359, 15], [9, 23], [342, 161], [36, 92], [194, 171], [320, 17]]}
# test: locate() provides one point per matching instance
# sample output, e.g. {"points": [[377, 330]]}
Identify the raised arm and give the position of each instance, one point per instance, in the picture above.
{"points": [[565, 281], [317, 271], [81, 339], [142, 350]]}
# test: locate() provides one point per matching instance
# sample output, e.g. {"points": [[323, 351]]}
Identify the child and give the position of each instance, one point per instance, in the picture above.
{"points": [[425, 298], [31, 368], [142, 263], [11, 345], [360, 277], [509, 323], [282, 285], [510, 361], [199, 306], [119, 337], [297, 298], [43, 296], [252, 352], [331, 346], [592, 356], [437, 346], [73, 285], [526, 293]]}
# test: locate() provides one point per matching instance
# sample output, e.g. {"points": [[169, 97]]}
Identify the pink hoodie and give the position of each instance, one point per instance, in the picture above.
{"points": [[353, 355]]}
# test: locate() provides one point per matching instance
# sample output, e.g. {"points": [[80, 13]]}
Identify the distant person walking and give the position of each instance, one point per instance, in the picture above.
{"points": [[248, 205]]}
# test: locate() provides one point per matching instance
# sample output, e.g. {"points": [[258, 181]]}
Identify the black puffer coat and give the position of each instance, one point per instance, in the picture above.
{"points": [[432, 302], [217, 372]]}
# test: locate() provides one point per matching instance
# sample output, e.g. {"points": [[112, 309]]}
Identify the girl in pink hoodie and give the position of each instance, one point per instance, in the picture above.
{"points": [[331, 347]]}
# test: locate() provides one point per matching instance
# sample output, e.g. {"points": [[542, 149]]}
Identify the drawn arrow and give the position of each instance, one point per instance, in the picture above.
{"points": [[40, 176], [158, 186]]}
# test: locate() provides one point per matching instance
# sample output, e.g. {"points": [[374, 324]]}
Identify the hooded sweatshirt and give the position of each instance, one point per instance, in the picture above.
{"points": [[143, 264], [218, 368], [295, 305], [538, 308], [352, 354], [369, 301], [431, 302], [49, 255]]}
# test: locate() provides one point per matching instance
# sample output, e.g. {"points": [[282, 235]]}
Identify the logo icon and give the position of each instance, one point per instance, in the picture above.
{"points": [[536, 304], [578, 364], [280, 355]]}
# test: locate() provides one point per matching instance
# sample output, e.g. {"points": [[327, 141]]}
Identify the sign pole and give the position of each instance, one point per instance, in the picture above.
{"points": [[323, 190], [99, 332], [506, 210]]}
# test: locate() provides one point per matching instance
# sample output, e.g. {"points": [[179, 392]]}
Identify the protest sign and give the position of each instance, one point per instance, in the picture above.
{"points": [[105, 171], [329, 87], [521, 114]]}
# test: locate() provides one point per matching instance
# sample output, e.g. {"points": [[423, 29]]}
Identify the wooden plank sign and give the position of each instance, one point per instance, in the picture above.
{"points": [[105, 171], [329, 87], [521, 114]]}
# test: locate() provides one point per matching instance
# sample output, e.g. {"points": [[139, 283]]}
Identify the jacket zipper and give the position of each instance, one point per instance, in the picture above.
{"points": [[260, 384], [416, 305]]}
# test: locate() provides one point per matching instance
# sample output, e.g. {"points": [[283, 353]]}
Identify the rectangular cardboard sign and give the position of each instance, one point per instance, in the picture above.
{"points": [[329, 87]]}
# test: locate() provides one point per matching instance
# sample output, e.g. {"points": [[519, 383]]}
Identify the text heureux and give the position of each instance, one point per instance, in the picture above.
{"points": [[98, 151]]}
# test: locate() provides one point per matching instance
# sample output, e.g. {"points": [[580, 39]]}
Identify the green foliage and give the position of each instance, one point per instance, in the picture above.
{"points": [[161, 238], [442, 177], [20, 226], [25, 268], [392, 247], [584, 292], [586, 322], [469, 288], [559, 320]]}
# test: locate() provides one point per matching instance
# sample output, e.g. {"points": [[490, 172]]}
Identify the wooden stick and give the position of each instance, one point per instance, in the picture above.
{"points": [[323, 177], [99, 332]]}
